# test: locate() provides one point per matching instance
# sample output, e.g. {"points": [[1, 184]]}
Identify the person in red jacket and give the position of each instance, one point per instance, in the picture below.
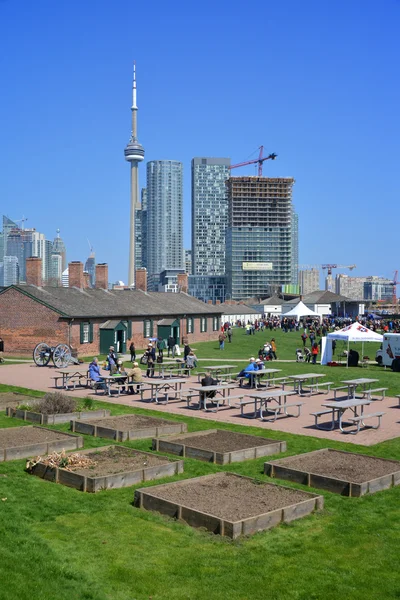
{"points": [[314, 352]]}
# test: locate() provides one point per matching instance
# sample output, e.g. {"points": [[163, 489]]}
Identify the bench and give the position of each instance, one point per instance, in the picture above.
{"points": [[360, 420], [320, 413], [337, 389], [368, 393], [326, 384], [188, 396], [74, 381], [276, 410]]}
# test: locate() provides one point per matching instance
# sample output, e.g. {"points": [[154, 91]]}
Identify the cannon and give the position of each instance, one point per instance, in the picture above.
{"points": [[61, 355]]}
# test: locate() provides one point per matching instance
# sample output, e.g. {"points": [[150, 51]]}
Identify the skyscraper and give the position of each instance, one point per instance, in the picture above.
{"points": [[259, 235], [308, 280], [295, 248], [59, 248], [209, 215], [144, 227], [164, 217], [134, 153], [90, 267]]}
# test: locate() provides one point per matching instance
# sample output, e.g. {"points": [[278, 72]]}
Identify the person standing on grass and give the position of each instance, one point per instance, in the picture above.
{"points": [[132, 350], [273, 349], [221, 339], [314, 353], [229, 332]]}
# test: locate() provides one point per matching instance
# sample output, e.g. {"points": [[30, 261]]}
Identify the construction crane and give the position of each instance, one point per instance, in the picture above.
{"points": [[21, 221], [260, 160], [331, 266]]}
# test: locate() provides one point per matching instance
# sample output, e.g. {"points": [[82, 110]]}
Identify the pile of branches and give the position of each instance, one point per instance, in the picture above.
{"points": [[63, 460]]}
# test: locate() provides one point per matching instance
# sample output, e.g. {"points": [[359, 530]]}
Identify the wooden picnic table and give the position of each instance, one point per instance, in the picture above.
{"points": [[262, 398], [364, 382], [71, 376], [311, 378], [164, 385], [340, 408], [219, 390]]}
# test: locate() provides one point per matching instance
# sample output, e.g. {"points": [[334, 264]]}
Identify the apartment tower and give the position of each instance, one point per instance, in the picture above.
{"points": [[209, 215], [164, 218], [259, 235]]}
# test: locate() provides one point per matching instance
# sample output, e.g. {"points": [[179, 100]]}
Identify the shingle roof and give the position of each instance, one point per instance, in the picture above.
{"points": [[237, 309], [91, 303], [320, 297], [274, 300]]}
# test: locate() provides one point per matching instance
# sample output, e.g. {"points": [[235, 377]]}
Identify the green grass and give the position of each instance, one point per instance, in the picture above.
{"points": [[58, 543]]}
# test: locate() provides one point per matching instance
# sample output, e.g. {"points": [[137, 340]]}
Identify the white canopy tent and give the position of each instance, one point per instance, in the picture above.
{"points": [[352, 333], [300, 310]]}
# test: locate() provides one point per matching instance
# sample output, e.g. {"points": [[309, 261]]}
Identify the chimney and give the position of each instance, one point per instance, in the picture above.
{"points": [[183, 282], [86, 279], [218, 302], [102, 276], [75, 273], [141, 279], [209, 301], [34, 271]]}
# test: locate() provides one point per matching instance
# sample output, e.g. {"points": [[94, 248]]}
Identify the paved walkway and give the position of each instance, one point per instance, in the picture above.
{"points": [[39, 378]]}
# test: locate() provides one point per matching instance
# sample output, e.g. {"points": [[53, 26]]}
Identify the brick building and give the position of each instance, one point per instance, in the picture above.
{"points": [[90, 320]]}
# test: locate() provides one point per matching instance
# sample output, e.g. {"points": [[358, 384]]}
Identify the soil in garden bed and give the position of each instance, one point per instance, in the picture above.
{"points": [[13, 437], [349, 467], [223, 441], [228, 497], [119, 460], [13, 399], [128, 422]]}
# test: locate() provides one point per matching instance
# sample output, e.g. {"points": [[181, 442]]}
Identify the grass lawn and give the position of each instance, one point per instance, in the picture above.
{"points": [[58, 543]]}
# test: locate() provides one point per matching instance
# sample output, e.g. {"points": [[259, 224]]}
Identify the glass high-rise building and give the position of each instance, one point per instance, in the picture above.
{"points": [[259, 235], [164, 216], [209, 215]]}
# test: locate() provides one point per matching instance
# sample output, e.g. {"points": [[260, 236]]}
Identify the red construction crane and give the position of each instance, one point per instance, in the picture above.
{"points": [[260, 160], [330, 267]]}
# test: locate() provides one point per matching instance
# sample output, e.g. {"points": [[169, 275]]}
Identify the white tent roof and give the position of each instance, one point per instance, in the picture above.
{"points": [[300, 310], [356, 333]]}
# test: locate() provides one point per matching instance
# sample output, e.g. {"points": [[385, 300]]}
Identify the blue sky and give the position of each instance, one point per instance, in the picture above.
{"points": [[317, 82]]}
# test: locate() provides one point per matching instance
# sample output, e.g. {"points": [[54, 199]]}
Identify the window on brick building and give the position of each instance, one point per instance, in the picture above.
{"points": [[203, 324], [147, 328], [86, 333], [190, 325], [215, 323]]}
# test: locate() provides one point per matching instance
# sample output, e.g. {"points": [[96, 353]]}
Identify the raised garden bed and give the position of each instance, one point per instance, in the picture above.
{"points": [[13, 399], [219, 446], [21, 442], [228, 504], [341, 472], [116, 467], [54, 419], [128, 427]]}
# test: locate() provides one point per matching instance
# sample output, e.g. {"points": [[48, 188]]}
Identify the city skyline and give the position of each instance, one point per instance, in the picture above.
{"points": [[328, 108]]}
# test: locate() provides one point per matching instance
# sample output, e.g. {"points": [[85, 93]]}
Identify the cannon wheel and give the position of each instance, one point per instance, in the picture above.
{"points": [[42, 354], [62, 356]]}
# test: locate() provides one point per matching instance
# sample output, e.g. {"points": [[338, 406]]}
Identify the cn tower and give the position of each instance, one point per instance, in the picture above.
{"points": [[134, 153]]}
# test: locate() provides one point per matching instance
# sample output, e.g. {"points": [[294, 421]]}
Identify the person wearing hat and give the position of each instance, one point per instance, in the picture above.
{"points": [[112, 361], [136, 378], [248, 372]]}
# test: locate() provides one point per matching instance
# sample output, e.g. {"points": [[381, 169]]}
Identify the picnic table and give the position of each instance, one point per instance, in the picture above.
{"points": [[220, 391], [73, 376], [261, 399], [260, 373], [168, 365], [119, 380], [339, 408], [223, 370], [362, 382], [157, 387], [311, 378]]}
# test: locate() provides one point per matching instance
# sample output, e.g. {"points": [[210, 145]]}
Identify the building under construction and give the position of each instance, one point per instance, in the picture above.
{"points": [[259, 241]]}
